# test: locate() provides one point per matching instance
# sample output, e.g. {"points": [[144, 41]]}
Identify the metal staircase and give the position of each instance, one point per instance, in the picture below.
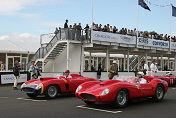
{"points": [[51, 51], [57, 44]]}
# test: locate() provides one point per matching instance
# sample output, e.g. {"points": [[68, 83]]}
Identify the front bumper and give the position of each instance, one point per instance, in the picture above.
{"points": [[32, 89], [95, 98]]}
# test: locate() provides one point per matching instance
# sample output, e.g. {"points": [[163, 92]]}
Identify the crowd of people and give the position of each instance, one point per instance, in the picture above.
{"points": [[123, 31]]}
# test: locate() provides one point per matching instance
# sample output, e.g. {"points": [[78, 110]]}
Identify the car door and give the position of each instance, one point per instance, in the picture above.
{"points": [[146, 89]]}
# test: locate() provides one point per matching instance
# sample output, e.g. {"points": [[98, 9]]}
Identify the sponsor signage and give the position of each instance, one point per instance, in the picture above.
{"points": [[112, 37], [153, 42], [9, 78], [125, 39], [173, 45]]}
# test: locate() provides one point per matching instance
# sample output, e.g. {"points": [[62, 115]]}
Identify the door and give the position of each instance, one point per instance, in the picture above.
{"points": [[10, 63], [24, 63], [146, 89]]}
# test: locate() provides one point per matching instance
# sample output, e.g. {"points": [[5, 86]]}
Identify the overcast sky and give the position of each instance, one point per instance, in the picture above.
{"points": [[27, 19]]}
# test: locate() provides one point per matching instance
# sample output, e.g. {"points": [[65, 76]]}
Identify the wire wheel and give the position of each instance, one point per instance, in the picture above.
{"points": [[121, 98], [51, 91], [159, 93]]}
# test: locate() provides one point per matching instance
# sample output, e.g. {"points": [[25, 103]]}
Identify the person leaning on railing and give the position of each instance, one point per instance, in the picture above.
{"points": [[56, 31], [87, 31]]}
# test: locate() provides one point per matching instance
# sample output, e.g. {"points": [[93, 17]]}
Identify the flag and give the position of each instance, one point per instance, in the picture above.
{"points": [[173, 11], [144, 5]]}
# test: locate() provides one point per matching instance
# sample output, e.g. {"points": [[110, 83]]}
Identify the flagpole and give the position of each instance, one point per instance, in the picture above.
{"points": [[92, 23], [137, 22], [170, 26]]}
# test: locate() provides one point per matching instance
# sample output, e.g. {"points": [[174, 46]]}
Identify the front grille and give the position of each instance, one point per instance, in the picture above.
{"points": [[28, 90], [87, 96]]}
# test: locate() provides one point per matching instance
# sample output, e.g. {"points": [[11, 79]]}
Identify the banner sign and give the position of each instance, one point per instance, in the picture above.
{"points": [[112, 37], [9, 78], [173, 45], [153, 42], [125, 39]]}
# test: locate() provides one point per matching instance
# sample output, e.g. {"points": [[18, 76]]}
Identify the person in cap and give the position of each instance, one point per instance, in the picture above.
{"points": [[113, 70], [153, 68], [140, 78], [66, 79], [67, 74]]}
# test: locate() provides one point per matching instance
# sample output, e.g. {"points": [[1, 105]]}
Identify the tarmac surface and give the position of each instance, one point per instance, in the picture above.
{"points": [[15, 104]]}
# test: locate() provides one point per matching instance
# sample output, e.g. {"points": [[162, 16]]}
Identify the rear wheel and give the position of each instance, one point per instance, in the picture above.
{"points": [[51, 91], [159, 93], [89, 102], [121, 99], [32, 95]]}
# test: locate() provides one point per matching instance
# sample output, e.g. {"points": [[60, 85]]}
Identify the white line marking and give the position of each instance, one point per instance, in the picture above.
{"points": [[39, 100], [83, 106], [31, 100], [174, 88], [19, 98], [4, 97], [28, 99]]}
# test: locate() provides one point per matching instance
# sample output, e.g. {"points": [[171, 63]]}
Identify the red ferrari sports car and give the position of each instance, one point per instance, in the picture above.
{"points": [[51, 86], [119, 92], [169, 78]]}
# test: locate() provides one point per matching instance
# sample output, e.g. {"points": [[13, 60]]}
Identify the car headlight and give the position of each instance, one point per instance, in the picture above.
{"points": [[23, 85], [39, 86], [105, 92], [79, 88]]}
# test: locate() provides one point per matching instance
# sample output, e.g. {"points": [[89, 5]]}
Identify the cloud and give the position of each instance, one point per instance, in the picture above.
{"points": [[14, 7], [24, 40]]}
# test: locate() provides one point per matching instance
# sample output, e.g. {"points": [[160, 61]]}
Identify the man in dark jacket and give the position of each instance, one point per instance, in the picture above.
{"points": [[66, 24], [16, 72], [99, 71]]}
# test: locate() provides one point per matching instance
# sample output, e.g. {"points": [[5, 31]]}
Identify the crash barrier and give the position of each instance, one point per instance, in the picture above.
{"points": [[8, 77]]}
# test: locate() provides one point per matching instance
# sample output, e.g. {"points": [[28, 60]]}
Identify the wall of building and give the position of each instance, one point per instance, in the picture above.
{"points": [[59, 64]]}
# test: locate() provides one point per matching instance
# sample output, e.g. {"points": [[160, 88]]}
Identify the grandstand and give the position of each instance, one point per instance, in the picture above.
{"points": [[69, 49]]}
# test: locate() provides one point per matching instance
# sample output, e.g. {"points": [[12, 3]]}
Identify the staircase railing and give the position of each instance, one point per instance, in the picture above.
{"points": [[62, 34]]}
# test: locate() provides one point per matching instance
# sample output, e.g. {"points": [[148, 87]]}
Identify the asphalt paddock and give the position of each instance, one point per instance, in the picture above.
{"points": [[15, 104]]}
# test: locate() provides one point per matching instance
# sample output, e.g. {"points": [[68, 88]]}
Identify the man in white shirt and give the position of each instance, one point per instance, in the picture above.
{"points": [[153, 68], [140, 78], [144, 68]]}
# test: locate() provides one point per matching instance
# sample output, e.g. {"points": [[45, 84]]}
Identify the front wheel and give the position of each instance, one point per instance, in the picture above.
{"points": [[32, 95], [51, 91], [159, 93], [121, 99]]}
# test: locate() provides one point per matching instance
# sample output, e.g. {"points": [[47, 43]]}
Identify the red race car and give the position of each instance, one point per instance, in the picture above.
{"points": [[51, 86], [119, 92], [169, 78]]}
